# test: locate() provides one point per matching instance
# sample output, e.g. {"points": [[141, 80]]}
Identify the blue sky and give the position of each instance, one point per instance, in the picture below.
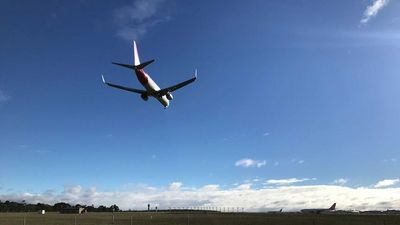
{"points": [[291, 94]]}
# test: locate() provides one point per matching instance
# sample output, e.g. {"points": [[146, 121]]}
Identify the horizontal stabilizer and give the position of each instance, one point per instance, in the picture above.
{"points": [[140, 66], [143, 65], [124, 65]]}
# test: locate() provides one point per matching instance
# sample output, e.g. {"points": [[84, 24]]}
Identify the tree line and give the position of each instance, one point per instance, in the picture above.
{"points": [[9, 206]]}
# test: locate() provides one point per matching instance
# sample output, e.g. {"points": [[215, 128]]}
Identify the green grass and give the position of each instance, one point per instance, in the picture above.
{"points": [[194, 219]]}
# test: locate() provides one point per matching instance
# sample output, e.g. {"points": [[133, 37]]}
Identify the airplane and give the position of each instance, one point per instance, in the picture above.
{"points": [[273, 212], [151, 88], [318, 211]]}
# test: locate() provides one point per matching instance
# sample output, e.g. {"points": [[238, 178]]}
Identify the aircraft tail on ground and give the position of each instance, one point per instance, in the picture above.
{"points": [[333, 207]]}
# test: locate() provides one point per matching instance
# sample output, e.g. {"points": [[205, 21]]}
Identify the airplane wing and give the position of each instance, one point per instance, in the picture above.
{"points": [[177, 86], [123, 88]]}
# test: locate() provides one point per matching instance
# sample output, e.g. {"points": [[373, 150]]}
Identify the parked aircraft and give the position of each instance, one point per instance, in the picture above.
{"points": [[279, 211], [151, 88], [318, 211]]}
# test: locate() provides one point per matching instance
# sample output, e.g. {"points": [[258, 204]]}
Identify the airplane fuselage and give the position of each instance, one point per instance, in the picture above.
{"points": [[151, 86], [317, 211]]}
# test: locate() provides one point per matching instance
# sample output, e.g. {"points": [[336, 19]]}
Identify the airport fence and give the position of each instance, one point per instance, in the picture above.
{"points": [[131, 218]]}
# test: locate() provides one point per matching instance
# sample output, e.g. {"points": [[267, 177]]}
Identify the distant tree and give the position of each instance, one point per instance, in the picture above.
{"points": [[61, 205], [114, 208], [46, 207], [91, 208], [102, 208], [9, 206], [80, 206]]}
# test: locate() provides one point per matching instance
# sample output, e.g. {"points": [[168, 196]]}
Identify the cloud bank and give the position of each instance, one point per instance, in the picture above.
{"points": [[175, 186], [246, 162], [287, 181], [373, 9], [135, 20], [292, 198], [340, 181], [387, 183]]}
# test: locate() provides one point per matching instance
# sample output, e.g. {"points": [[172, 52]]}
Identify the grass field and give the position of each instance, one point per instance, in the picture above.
{"points": [[127, 218]]}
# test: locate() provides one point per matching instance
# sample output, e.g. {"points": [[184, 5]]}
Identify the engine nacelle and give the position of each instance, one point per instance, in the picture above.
{"points": [[169, 96], [144, 97]]}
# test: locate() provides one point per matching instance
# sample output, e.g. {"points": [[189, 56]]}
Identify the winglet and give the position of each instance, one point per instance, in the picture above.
{"points": [[195, 73], [102, 77]]}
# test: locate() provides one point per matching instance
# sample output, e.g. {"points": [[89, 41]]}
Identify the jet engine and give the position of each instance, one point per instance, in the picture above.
{"points": [[169, 96], [144, 97]]}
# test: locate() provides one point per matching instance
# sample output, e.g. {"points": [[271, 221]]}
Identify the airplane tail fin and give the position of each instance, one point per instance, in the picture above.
{"points": [[135, 55], [333, 207], [136, 63]]}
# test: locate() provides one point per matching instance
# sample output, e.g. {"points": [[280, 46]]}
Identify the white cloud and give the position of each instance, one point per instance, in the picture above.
{"points": [[340, 181], [72, 189], [289, 197], [210, 187], [386, 183], [373, 9], [246, 186], [298, 161], [266, 134], [135, 20], [393, 160], [3, 97], [246, 162], [287, 181], [175, 186]]}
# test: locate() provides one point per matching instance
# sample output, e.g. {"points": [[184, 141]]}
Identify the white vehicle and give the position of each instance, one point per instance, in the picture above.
{"points": [[318, 211], [151, 88]]}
